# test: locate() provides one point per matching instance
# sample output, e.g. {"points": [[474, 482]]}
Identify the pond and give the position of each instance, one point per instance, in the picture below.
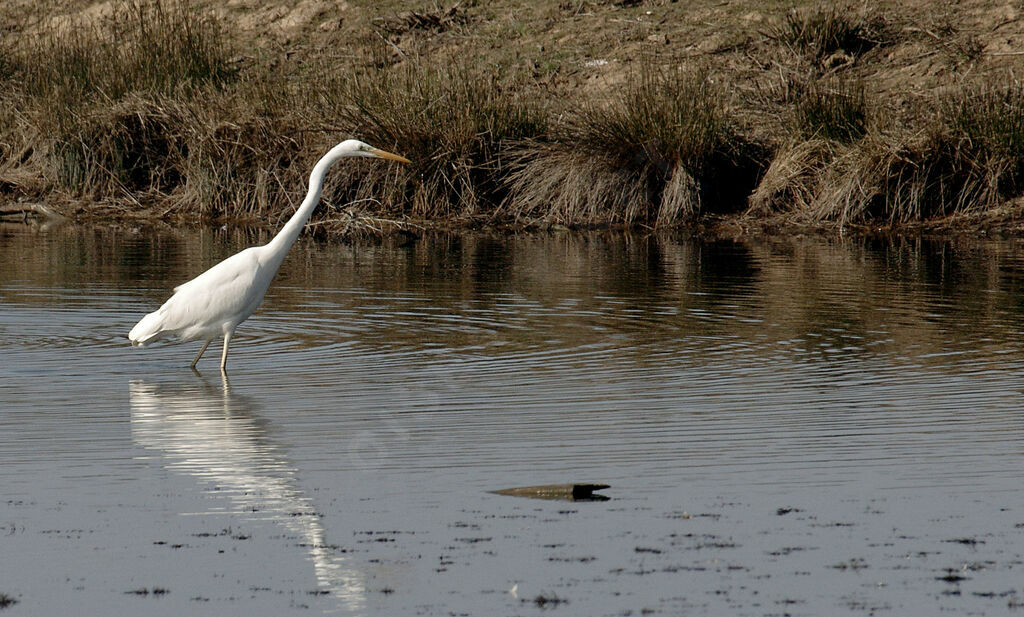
{"points": [[800, 426]]}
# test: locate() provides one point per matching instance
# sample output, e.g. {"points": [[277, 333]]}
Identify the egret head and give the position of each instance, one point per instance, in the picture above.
{"points": [[354, 147]]}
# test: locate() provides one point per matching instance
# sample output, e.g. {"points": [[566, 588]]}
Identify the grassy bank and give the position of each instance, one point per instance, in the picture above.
{"points": [[527, 114]]}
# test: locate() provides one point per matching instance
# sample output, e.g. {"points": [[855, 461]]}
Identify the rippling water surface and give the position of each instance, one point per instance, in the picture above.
{"points": [[797, 426]]}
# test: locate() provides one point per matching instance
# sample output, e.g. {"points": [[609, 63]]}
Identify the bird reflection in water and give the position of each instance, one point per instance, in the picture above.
{"points": [[214, 435]]}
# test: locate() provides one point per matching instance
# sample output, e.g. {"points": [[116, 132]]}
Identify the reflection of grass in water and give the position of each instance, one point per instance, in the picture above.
{"points": [[799, 284], [7, 601]]}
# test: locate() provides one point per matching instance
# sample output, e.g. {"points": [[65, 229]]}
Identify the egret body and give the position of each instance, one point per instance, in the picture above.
{"points": [[213, 304]]}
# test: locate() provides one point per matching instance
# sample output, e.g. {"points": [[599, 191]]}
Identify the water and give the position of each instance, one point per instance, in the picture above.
{"points": [[801, 426]]}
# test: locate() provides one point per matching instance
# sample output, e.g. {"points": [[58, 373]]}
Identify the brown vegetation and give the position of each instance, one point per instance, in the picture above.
{"points": [[647, 113]]}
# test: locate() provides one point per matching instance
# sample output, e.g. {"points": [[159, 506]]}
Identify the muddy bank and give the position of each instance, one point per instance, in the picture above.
{"points": [[739, 117]]}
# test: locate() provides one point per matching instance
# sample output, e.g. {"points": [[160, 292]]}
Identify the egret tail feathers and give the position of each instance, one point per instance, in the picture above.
{"points": [[149, 329]]}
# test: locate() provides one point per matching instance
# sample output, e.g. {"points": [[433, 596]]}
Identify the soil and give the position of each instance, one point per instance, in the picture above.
{"points": [[574, 47]]}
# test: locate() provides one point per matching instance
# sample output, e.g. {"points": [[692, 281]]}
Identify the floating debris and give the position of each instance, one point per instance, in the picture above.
{"points": [[157, 591], [952, 577], [567, 492], [543, 601]]}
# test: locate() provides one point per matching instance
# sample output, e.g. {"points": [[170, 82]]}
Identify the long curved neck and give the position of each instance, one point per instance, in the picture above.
{"points": [[285, 238]]}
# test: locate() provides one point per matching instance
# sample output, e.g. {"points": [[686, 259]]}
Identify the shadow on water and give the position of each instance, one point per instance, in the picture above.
{"points": [[217, 436]]}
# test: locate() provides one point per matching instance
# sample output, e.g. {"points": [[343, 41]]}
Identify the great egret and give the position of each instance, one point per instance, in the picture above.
{"points": [[215, 302]]}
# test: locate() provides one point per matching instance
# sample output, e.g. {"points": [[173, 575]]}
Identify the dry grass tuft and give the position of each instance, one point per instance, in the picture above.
{"points": [[140, 47], [827, 117], [970, 157], [557, 184], [183, 152], [661, 153], [792, 182], [830, 35], [97, 101], [833, 110], [452, 121]]}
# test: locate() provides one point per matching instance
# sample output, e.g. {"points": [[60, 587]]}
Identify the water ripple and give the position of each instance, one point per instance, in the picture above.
{"points": [[752, 378]]}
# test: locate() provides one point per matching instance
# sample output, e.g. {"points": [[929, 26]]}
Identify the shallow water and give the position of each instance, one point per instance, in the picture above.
{"points": [[799, 426]]}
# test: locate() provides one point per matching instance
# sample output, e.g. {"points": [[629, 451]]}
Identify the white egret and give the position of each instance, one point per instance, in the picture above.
{"points": [[215, 302]]}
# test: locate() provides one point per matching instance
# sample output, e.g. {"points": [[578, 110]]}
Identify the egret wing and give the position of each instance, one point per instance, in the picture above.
{"points": [[222, 296]]}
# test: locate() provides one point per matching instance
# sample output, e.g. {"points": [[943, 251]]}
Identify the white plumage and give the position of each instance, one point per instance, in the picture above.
{"points": [[215, 302]]}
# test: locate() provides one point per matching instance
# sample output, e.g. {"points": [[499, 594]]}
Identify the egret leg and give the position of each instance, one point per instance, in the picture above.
{"points": [[200, 354], [224, 353]]}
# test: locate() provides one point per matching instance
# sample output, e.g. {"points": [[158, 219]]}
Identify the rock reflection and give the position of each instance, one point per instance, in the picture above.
{"points": [[215, 435]]}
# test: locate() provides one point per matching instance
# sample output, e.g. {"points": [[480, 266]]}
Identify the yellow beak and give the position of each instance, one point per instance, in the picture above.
{"points": [[384, 154]]}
